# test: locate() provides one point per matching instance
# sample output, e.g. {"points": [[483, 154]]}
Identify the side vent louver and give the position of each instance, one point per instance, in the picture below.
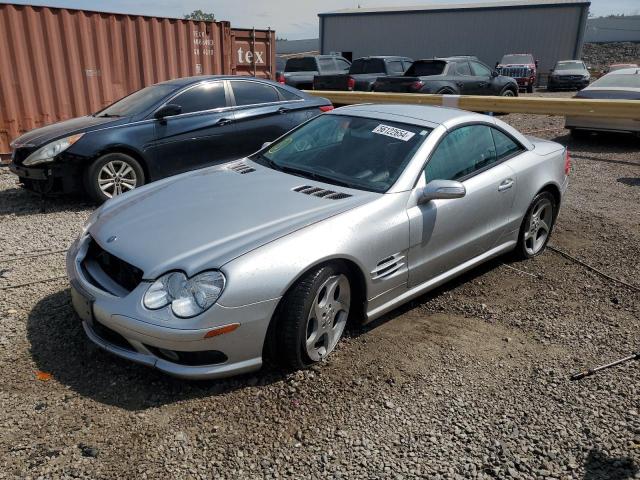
{"points": [[388, 266], [241, 168], [321, 192]]}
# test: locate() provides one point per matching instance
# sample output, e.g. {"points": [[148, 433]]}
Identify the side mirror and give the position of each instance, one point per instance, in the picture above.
{"points": [[494, 74], [265, 145], [168, 110], [442, 190]]}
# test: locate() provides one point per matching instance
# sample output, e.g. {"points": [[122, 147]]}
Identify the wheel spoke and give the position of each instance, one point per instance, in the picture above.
{"points": [[111, 168], [126, 171], [543, 226]]}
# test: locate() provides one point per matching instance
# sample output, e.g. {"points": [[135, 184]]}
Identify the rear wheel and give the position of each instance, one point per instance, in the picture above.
{"points": [[537, 226], [111, 175], [313, 316], [507, 92]]}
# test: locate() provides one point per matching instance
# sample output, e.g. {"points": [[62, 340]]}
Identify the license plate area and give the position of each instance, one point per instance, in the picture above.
{"points": [[82, 305]]}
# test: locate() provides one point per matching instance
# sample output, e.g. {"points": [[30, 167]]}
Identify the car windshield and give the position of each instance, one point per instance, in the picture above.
{"points": [[517, 59], [425, 69], [137, 102], [354, 152], [374, 65], [619, 80], [304, 64], [569, 66]]}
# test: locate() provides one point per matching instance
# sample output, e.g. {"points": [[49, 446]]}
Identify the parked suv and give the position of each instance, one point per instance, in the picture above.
{"points": [[569, 74], [451, 75], [299, 71], [362, 74], [521, 66]]}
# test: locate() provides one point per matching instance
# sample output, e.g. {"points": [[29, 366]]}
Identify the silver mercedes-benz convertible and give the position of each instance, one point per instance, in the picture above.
{"points": [[344, 218]]}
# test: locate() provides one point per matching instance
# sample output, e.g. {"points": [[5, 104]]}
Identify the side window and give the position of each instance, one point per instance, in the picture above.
{"points": [[463, 68], [406, 64], [480, 70], [395, 67], [461, 152], [251, 93], [342, 65], [326, 65], [287, 95], [505, 146], [203, 97]]}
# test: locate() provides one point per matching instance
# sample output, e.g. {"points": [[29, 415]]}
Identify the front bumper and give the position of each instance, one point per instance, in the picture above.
{"points": [[560, 84], [49, 178], [123, 327]]}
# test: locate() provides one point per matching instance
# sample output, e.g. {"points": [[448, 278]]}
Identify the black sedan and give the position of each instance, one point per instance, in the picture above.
{"points": [[462, 75], [158, 131]]}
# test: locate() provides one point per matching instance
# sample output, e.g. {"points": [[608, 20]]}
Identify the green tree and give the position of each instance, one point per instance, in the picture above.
{"points": [[200, 16]]}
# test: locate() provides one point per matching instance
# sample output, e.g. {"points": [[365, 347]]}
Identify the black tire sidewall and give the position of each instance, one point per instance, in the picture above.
{"points": [[521, 251], [291, 319], [90, 178]]}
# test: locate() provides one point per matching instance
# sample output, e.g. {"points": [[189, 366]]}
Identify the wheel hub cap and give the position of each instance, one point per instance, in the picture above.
{"points": [[539, 228], [117, 177]]}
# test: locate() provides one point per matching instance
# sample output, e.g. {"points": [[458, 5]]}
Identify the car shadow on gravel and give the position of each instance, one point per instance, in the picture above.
{"points": [[599, 143], [60, 347], [18, 201], [598, 466]]}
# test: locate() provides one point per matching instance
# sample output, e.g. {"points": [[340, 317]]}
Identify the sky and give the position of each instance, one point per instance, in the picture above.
{"points": [[292, 19]]}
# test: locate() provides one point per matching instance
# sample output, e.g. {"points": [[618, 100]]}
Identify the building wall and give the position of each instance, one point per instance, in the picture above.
{"points": [[551, 33], [613, 29]]}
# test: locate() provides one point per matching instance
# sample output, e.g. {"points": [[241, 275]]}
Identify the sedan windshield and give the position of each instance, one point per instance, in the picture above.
{"points": [[354, 152], [137, 102], [618, 80]]}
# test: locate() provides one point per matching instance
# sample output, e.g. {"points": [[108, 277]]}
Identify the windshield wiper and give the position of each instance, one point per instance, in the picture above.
{"points": [[108, 115], [270, 163], [319, 177]]}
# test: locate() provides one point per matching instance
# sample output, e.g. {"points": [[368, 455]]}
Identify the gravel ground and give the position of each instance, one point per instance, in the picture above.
{"points": [[470, 381]]}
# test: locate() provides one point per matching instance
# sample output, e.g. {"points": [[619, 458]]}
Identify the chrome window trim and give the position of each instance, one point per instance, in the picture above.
{"points": [[180, 92], [236, 106]]}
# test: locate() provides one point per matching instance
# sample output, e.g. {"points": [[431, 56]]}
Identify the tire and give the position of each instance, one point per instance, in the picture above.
{"points": [[531, 242], [508, 92], [444, 91], [312, 317], [530, 89], [124, 169]]}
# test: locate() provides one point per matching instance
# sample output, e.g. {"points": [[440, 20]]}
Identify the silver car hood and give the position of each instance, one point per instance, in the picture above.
{"points": [[204, 219]]}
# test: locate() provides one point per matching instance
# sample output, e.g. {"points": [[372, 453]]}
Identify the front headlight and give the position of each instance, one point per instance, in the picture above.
{"points": [[50, 150], [188, 296]]}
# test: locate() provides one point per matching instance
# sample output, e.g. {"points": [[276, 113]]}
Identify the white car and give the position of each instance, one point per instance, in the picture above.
{"points": [[621, 84]]}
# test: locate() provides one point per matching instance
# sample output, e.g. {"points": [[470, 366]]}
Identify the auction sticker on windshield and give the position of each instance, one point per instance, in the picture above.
{"points": [[393, 132]]}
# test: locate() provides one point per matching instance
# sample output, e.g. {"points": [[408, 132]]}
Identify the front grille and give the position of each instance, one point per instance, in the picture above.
{"points": [[516, 72], [124, 274]]}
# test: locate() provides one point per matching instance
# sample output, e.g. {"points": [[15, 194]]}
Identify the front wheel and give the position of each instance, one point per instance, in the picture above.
{"points": [[507, 92], [111, 175], [313, 316], [537, 226]]}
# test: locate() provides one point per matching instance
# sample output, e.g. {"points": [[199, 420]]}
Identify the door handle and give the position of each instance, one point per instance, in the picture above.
{"points": [[483, 84], [283, 110], [222, 121], [506, 185]]}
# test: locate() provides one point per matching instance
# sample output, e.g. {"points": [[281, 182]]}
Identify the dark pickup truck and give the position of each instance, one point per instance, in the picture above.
{"points": [[299, 71], [449, 76], [362, 74]]}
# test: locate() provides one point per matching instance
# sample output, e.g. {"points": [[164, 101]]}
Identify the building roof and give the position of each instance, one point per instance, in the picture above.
{"points": [[458, 6]]}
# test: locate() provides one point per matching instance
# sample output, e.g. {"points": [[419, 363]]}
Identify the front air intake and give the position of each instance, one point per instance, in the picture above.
{"points": [[241, 168]]}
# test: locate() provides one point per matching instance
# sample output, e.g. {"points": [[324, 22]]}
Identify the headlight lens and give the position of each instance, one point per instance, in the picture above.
{"points": [[188, 296], [50, 150]]}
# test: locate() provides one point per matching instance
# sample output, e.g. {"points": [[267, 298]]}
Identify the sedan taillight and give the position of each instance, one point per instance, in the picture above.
{"points": [[567, 162], [280, 79], [326, 108], [416, 86]]}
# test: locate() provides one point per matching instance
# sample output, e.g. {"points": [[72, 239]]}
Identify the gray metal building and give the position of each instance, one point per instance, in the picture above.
{"points": [[550, 29], [613, 29]]}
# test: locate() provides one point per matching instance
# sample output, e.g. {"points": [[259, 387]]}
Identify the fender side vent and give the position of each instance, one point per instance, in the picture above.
{"points": [[388, 266], [241, 168], [321, 192]]}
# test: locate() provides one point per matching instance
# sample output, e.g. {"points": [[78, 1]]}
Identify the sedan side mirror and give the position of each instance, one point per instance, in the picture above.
{"points": [[441, 190], [168, 110]]}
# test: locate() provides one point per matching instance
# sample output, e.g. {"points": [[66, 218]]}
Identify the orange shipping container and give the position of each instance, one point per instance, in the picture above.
{"points": [[59, 63]]}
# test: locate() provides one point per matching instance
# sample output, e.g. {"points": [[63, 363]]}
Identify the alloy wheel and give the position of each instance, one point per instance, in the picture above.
{"points": [[327, 317], [117, 177], [538, 227]]}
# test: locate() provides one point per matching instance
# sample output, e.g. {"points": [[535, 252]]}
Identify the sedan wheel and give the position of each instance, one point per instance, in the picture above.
{"points": [[507, 92], [312, 317], [537, 226], [111, 175]]}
